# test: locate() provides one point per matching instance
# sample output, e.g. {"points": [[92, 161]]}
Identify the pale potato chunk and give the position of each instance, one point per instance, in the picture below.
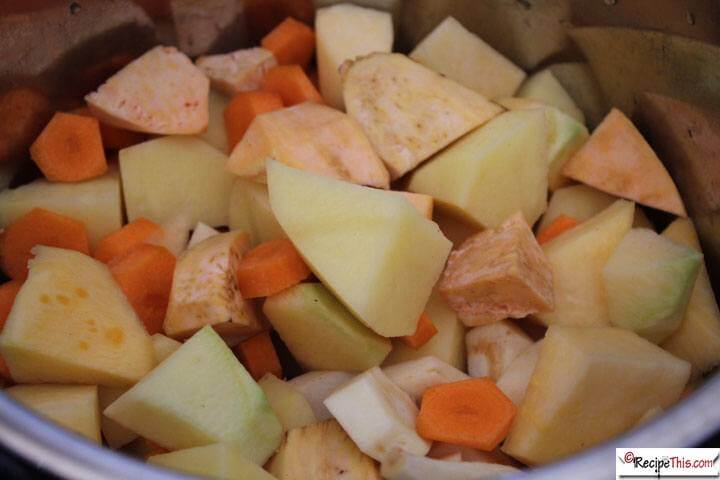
{"points": [[491, 348], [311, 137], [408, 111], [74, 407], [344, 32], [460, 55], [204, 291], [238, 71], [96, 202], [172, 177], [498, 274], [161, 92]]}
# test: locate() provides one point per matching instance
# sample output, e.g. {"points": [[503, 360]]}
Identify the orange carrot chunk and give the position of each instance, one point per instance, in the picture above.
{"points": [[113, 138], [39, 227], [291, 42], [243, 109], [145, 275], [120, 242], [560, 225], [269, 268], [259, 357], [473, 413], [292, 84], [8, 292], [423, 333], [25, 112], [70, 149]]}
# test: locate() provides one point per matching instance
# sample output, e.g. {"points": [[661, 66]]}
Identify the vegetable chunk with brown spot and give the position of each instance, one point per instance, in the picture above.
{"points": [[238, 71], [408, 111], [204, 291], [498, 274]]}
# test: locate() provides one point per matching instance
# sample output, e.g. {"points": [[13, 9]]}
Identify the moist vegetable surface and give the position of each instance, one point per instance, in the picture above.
{"points": [[319, 258]]}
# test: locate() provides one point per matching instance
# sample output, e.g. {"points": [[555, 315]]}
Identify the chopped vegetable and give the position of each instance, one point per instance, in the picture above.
{"points": [[377, 415], [113, 138], [204, 291], [238, 71], [414, 467], [422, 203], [70, 149], [259, 357], [515, 378], [161, 92], [648, 281], [472, 412], [321, 214], [242, 110], [250, 212], [423, 333], [311, 137], [39, 227], [544, 87], [99, 341], [568, 406], [177, 175], [164, 346], [316, 386], [577, 259], [345, 32], [322, 451], [201, 232], [73, 407], [8, 292], [416, 376], [492, 348], [321, 333], [291, 42], [560, 225], [289, 405], [292, 84], [201, 394], [498, 274], [617, 160], [219, 460], [457, 53], [29, 110], [120, 242], [115, 435], [698, 338], [493, 172], [270, 268], [97, 202], [398, 103], [448, 345], [145, 275]]}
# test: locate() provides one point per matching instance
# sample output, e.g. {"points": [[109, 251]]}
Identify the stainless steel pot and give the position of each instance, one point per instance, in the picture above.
{"points": [[662, 46]]}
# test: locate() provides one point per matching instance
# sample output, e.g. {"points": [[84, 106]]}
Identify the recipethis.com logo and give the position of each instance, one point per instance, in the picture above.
{"points": [[675, 463]]}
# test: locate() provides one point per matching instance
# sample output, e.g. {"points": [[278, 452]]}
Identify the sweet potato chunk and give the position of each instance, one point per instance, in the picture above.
{"points": [[204, 291], [617, 160], [161, 92], [311, 137], [498, 274], [408, 111], [238, 71]]}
